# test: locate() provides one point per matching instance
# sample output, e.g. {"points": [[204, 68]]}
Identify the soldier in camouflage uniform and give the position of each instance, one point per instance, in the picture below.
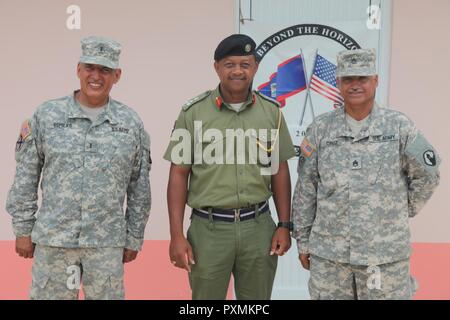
{"points": [[363, 171], [231, 230], [91, 152]]}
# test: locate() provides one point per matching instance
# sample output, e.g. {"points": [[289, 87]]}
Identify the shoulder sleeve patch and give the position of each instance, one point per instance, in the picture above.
{"points": [[145, 139], [422, 151], [25, 132], [193, 101], [307, 148], [275, 102]]}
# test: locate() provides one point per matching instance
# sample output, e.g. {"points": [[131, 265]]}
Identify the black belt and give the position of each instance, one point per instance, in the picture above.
{"points": [[232, 215]]}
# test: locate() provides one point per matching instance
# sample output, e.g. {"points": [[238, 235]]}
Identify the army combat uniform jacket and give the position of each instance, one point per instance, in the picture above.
{"points": [[87, 170], [354, 194]]}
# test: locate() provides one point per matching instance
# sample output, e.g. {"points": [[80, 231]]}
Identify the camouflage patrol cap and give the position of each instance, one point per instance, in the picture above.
{"points": [[102, 51], [235, 45], [360, 62]]}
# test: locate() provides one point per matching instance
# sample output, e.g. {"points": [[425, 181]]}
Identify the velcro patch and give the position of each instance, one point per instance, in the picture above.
{"points": [[385, 138], [25, 131], [307, 148], [423, 153], [329, 143], [429, 158]]}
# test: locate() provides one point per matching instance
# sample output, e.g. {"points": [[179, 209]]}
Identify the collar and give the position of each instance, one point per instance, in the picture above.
{"points": [[371, 127], [219, 102], [75, 110]]}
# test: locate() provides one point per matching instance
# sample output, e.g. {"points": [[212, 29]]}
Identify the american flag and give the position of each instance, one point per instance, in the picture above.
{"points": [[323, 80]]}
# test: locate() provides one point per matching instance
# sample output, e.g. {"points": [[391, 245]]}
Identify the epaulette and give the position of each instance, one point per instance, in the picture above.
{"points": [[198, 98], [275, 102]]}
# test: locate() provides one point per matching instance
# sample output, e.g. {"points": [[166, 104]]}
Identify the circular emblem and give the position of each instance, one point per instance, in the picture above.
{"points": [[248, 47], [429, 158]]}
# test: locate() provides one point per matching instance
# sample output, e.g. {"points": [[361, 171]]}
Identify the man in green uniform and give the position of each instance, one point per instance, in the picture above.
{"points": [[92, 152], [229, 152]]}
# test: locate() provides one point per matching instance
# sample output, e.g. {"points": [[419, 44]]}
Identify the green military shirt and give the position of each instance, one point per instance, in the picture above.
{"points": [[232, 182], [87, 171]]}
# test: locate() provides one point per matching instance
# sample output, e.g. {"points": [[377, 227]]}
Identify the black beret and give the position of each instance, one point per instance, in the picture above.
{"points": [[235, 45]]}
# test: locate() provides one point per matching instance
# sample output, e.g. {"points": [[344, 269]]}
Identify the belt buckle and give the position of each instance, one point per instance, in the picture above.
{"points": [[237, 214]]}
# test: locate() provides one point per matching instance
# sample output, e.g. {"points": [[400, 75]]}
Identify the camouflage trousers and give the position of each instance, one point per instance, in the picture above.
{"points": [[330, 280], [59, 272]]}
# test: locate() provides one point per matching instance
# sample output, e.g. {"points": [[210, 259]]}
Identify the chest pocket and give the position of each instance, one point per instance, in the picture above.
{"points": [[115, 157], [210, 148], [60, 141], [332, 159], [384, 158], [121, 149], [62, 145]]}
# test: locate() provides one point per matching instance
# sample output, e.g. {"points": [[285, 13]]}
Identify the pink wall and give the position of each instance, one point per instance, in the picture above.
{"points": [[420, 87], [152, 276], [167, 59]]}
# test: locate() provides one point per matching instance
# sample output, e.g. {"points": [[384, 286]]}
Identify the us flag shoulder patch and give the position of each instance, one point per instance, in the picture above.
{"points": [[307, 148], [25, 131]]}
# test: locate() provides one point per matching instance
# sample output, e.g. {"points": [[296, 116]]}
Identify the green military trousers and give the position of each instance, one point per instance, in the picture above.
{"points": [[331, 280], [240, 248], [59, 272]]}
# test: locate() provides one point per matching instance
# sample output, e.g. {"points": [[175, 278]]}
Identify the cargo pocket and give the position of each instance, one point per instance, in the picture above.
{"points": [[104, 287], [313, 290], [39, 283], [314, 293], [116, 287]]}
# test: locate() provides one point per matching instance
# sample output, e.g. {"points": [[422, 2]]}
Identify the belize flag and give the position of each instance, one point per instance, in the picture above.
{"points": [[289, 79]]}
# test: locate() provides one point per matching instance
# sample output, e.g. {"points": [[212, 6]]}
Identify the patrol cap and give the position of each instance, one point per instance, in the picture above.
{"points": [[235, 45], [100, 50], [360, 62]]}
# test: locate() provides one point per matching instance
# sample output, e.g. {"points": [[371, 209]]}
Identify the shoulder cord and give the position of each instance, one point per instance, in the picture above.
{"points": [[276, 137]]}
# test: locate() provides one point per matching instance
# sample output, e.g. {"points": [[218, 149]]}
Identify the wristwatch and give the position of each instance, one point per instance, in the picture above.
{"points": [[286, 224]]}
